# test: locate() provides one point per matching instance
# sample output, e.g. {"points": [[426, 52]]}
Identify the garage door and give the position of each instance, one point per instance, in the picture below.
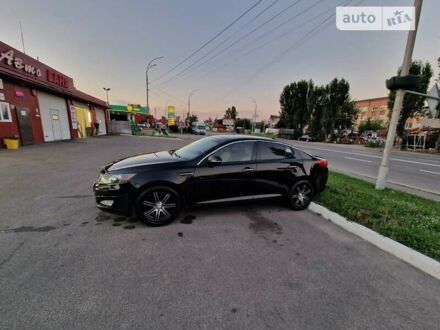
{"points": [[100, 118], [53, 110]]}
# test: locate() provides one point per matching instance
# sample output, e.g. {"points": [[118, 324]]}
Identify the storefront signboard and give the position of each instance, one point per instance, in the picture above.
{"points": [[171, 115]]}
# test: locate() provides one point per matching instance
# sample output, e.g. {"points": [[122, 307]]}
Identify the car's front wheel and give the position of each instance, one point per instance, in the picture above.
{"points": [[158, 206], [300, 195]]}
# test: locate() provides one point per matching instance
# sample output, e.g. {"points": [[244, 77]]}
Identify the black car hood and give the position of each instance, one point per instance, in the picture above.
{"points": [[145, 159]]}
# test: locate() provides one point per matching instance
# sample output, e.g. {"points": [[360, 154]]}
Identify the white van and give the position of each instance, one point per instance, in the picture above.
{"points": [[199, 128]]}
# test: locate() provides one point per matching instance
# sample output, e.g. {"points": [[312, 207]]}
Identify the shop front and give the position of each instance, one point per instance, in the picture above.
{"points": [[39, 104], [123, 117]]}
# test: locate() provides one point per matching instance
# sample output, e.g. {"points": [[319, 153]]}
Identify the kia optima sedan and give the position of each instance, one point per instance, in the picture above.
{"points": [[221, 168]]}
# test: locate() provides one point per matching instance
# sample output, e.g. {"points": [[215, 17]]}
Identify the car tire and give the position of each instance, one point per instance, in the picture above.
{"points": [[300, 195], [158, 205]]}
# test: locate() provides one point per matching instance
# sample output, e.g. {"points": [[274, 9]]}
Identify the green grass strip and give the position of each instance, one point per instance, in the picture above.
{"points": [[405, 218]]}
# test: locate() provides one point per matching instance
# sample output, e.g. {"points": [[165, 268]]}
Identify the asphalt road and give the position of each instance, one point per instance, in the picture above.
{"points": [[409, 171], [66, 265]]}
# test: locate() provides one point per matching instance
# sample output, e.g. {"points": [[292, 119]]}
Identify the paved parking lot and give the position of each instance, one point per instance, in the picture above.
{"points": [[66, 265]]}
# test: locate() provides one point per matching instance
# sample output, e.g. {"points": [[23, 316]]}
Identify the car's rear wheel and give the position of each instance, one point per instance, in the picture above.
{"points": [[158, 206], [300, 195]]}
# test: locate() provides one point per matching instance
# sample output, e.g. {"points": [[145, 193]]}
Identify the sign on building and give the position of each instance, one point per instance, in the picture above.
{"points": [[171, 115]]}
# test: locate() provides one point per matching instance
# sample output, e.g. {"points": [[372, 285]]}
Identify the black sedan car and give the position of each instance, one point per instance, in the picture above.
{"points": [[221, 168]]}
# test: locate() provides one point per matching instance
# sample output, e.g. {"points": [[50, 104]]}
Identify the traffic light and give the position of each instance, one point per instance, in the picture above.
{"points": [[409, 82]]}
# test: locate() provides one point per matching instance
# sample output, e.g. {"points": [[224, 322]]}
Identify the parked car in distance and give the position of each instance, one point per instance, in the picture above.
{"points": [[220, 168], [199, 129], [307, 138], [273, 131]]}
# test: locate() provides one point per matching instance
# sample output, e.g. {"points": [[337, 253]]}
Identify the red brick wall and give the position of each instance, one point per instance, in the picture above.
{"points": [[28, 100]]}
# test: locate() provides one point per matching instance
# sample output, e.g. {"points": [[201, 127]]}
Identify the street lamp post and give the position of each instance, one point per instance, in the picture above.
{"points": [[149, 66], [189, 103], [107, 89], [107, 112], [255, 114]]}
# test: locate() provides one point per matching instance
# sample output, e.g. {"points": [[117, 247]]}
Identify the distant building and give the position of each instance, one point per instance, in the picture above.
{"points": [[373, 109], [273, 120]]}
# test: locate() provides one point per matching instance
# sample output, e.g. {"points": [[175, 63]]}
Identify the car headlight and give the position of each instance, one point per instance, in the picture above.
{"points": [[114, 178]]}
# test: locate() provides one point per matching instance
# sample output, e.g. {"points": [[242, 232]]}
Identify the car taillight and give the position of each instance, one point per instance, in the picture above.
{"points": [[322, 162]]}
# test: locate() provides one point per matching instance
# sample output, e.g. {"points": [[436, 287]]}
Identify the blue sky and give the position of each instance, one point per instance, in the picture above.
{"points": [[108, 43]]}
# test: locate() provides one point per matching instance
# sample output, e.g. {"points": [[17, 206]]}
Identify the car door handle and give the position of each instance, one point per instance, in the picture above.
{"points": [[186, 174], [248, 169]]}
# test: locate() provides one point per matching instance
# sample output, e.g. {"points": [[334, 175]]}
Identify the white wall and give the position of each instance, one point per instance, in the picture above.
{"points": [[49, 102]]}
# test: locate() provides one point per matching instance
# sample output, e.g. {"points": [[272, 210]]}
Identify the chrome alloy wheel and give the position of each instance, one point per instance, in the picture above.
{"points": [[159, 206], [301, 195]]}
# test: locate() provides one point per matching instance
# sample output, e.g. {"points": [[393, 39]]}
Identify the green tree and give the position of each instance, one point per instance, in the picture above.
{"points": [[243, 122], [317, 100], [320, 108], [412, 104], [337, 97], [231, 113], [294, 105], [370, 125], [192, 119]]}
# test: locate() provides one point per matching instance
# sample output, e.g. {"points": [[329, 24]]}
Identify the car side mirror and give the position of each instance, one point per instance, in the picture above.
{"points": [[214, 160], [290, 154]]}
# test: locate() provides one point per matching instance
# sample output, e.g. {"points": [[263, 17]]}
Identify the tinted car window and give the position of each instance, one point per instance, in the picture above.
{"points": [[196, 148], [237, 152], [301, 154], [271, 151]]}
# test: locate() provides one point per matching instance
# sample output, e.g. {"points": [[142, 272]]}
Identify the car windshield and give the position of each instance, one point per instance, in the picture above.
{"points": [[196, 148], [200, 127]]}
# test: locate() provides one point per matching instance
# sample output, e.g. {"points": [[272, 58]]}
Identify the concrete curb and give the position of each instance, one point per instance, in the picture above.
{"points": [[412, 257]]}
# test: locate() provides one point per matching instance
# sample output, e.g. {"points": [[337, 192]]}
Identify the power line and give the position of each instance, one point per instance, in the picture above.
{"points": [[246, 35], [223, 42], [271, 40], [182, 102], [297, 44], [267, 33], [211, 40]]}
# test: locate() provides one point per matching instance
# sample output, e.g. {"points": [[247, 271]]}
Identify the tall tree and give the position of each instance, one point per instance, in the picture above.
{"points": [[337, 98], [320, 108], [318, 100], [231, 113], [243, 122], [192, 119], [294, 106], [412, 104]]}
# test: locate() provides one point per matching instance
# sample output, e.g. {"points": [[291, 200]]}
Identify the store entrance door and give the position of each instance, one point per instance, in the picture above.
{"points": [[56, 124], [25, 124]]}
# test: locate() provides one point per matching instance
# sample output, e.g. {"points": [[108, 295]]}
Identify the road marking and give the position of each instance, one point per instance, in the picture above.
{"points": [[360, 160], [430, 172], [371, 156], [374, 178]]}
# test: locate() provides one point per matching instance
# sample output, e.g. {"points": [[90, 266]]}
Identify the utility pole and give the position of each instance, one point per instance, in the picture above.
{"points": [[107, 112], [149, 66], [398, 102], [22, 38], [107, 89], [255, 114], [189, 104]]}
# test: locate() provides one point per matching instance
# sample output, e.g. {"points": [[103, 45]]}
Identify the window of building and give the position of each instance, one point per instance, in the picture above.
{"points": [[5, 112]]}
